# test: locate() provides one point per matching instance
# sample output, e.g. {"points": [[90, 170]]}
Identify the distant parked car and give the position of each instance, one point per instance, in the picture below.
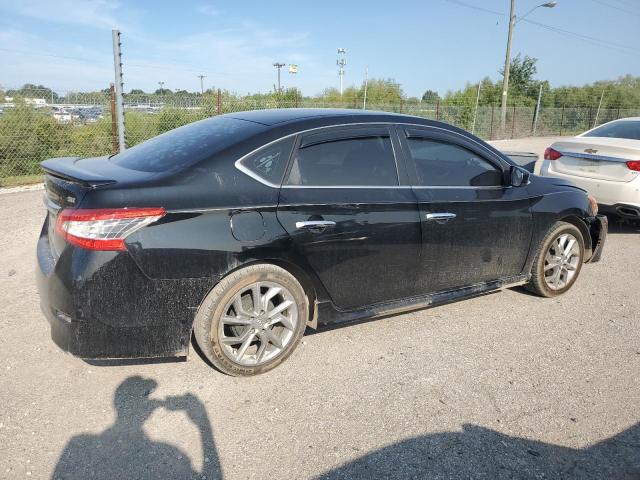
{"points": [[526, 160], [605, 161], [245, 229]]}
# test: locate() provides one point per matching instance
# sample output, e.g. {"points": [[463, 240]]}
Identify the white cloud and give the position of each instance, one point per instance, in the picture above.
{"points": [[238, 58], [209, 10], [91, 13]]}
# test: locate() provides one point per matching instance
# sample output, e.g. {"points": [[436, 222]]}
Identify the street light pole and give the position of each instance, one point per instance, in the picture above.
{"points": [[341, 62], [507, 60], [279, 66]]}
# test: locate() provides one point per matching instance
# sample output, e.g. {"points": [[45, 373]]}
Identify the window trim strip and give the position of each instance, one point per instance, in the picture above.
{"points": [[259, 179]]}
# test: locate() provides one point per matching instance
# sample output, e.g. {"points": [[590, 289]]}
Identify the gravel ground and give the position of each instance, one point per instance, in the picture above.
{"points": [[507, 385]]}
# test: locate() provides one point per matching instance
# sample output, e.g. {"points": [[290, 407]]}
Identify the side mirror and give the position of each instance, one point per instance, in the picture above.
{"points": [[519, 176]]}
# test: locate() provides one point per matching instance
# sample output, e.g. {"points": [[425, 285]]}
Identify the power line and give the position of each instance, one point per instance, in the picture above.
{"points": [[475, 7], [615, 7], [578, 36], [593, 40], [40, 54]]}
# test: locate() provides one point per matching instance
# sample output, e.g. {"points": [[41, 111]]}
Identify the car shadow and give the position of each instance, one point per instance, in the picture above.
{"points": [[478, 452], [125, 451], [622, 225]]}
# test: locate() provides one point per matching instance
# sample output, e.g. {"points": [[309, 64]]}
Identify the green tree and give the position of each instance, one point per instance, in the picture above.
{"points": [[27, 137], [430, 96]]}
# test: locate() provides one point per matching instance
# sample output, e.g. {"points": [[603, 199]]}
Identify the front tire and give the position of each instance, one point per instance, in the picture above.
{"points": [[252, 320], [558, 262]]}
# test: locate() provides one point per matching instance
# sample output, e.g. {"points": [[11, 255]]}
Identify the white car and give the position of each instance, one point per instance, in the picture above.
{"points": [[605, 161]]}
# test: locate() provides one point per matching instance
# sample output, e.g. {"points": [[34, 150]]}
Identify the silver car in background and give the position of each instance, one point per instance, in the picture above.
{"points": [[605, 161]]}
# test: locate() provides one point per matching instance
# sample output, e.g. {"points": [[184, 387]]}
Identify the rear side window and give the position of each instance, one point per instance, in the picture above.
{"points": [[186, 145], [364, 161], [270, 162], [629, 129], [448, 165]]}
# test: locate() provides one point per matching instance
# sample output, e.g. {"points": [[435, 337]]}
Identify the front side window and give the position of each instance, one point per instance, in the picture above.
{"points": [[364, 161], [448, 165], [270, 162]]}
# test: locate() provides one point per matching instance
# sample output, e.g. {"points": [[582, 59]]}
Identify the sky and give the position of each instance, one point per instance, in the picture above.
{"points": [[429, 44]]}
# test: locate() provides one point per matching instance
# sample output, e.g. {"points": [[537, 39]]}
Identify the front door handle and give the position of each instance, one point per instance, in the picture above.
{"points": [[316, 226], [441, 217]]}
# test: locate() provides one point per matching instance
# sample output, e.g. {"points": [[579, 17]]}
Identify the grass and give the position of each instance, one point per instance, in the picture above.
{"points": [[20, 180]]}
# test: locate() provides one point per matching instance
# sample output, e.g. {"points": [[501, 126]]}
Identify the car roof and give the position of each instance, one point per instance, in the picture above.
{"points": [[288, 115]]}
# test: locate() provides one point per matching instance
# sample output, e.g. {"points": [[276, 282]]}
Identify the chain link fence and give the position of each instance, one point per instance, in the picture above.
{"points": [[76, 124]]}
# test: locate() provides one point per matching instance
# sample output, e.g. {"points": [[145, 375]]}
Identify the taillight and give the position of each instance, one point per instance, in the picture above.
{"points": [[104, 228], [634, 165], [551, 154]]}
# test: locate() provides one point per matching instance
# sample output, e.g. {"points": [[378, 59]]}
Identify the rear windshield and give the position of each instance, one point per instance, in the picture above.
{"points": [[186, 145], [629, 129]]}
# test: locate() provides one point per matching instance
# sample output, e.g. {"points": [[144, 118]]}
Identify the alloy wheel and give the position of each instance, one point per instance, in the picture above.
{"points": [[258, 323], [562, 261]]}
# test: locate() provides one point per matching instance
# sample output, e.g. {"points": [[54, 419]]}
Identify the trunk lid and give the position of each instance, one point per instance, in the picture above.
{"points": [[67, 181], [597, 157]]}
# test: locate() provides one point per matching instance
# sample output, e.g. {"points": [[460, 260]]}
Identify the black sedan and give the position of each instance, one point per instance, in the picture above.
{"points": [[245, 229]]}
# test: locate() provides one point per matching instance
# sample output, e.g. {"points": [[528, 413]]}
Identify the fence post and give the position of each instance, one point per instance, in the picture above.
{"points": [[475, 112], [618, 114], [437, 110], [493, 107], [114, 125], [513, 121], [117, 63], [218, 102], [535, 114], [562, 120], [595, 123]]}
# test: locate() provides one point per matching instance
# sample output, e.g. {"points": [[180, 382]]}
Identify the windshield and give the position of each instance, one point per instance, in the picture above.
{"points": [[186, 145], [629, 129]]}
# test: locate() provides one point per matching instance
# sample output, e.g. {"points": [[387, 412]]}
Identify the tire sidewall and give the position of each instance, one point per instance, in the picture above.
{"points": [[208, 318]]}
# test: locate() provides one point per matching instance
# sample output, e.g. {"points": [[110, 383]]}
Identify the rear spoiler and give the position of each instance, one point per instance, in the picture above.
{"points": [[67, 169]]}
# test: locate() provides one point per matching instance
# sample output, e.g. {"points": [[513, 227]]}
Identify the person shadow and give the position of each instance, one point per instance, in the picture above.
{"points": [[125, 451]]}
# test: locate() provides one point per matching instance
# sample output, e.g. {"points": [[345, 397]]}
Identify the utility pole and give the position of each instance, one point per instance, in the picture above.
{"points": [[161, 87], [201, 77], [119, 84], [341, 62], [507, 66], [366, 81], [507, 60], [279, 66]]}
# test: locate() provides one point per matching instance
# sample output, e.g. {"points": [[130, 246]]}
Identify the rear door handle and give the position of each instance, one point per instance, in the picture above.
{"points": [[441, 217], [315, 225]]}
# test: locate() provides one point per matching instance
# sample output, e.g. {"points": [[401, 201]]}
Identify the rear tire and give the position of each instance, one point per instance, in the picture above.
{"points": [[558, 261], [252, 320]]}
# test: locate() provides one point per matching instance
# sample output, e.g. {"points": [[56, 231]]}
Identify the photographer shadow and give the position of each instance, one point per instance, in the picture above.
{"points": [[125, 451]]}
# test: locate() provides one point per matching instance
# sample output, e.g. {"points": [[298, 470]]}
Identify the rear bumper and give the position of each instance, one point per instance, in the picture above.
{"points": [[606, 192], [100, 305], [598, 229]]}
